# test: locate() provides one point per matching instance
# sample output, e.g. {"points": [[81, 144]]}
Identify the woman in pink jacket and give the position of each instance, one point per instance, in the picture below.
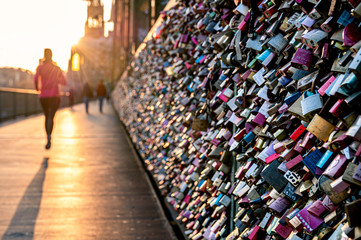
{"points": [[49, 75]]}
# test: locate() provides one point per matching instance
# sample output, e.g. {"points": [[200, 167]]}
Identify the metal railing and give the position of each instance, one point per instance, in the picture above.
{"points": [[16, 102]]}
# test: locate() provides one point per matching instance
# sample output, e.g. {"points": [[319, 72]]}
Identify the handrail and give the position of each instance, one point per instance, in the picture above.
{"points": [[19, 90], [27, 91], [16, 102]]}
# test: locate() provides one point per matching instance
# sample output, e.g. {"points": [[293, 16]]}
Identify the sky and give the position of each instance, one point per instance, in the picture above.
{"points": [[29, 26]]}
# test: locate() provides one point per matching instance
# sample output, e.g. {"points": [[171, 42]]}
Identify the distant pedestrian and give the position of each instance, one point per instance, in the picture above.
{"points": [[87, 94], [101, 93], [50, 76], [71, 97]]}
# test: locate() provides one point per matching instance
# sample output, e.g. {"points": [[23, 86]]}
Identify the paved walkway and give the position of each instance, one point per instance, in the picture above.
{"points": [[89, 185]]}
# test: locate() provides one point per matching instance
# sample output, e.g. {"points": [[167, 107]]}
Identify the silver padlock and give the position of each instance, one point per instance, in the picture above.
{"points": [[314, 38], [277, 43], [355, 65], [311, 102], [355, 130]]}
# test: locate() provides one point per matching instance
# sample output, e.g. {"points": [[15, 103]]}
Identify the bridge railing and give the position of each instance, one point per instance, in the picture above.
{"points": [[16, 102]]}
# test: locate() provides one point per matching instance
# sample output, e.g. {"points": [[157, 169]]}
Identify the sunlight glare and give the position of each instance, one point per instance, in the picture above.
{"points": [[27, 27]]}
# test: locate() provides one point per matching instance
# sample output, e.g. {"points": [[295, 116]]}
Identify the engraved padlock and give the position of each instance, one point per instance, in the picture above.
{"points": [[355, 65], [355, 130], [277, 43], [351, 34], [311, 102], [302, 59], [320, 127], [314, 38]]}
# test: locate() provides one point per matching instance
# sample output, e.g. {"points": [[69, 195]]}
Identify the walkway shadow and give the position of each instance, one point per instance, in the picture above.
{"points": [[23, 223]]}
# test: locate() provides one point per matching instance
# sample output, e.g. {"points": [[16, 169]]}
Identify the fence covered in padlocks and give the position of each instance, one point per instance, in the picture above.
{"points": [[248, 117]]}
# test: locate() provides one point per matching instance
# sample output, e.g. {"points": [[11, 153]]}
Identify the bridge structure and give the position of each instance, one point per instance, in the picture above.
{"points": [[91, 184]]}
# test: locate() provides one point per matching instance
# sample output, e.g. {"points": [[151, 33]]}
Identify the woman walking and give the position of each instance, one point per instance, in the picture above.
{"points": [[49, 75]]}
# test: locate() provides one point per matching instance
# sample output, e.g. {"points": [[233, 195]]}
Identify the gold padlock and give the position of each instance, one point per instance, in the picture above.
{"points": [[320, 127]]}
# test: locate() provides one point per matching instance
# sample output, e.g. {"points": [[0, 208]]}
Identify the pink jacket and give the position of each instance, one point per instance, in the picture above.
{"points": [[50, 77]]}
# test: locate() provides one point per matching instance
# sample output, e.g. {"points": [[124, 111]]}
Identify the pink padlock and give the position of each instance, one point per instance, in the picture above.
{"points": [[260, 119]]}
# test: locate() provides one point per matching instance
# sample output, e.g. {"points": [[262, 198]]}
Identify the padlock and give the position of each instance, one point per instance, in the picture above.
{"points": [[283, 230], [320, 127], [340, 143], [319, 10], [294, 163], [297, 74], [243, 25], [339, 185], [302, 59], [296, 109], [322, 90], [279, 205], [345, 59], [306, 82], [337, 67], [241, 189], [337, 167], [291, 193], [325, 54], [284, 80], [297, 133], [328, 25], [274, 177], [312, 159], [307, 186], [317, 208], [269, 62], [333, 198], [241, 9], [287, 154], [351, 34], [310, 103], [226, 94], [294, 178], [356, 12], [357, 174], [297, 146], [325, 161], [355, 65], [309, 221], [353, 101], [353, 213], [259, 119], [350, 84], [352, 174], [314, 38], [280, 134], [277, 43], [284, 69], [345, 18]]}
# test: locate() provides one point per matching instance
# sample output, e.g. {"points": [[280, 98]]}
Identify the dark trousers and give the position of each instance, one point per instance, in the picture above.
{"points": [[86, 103], [101, 99], [50, 106]]}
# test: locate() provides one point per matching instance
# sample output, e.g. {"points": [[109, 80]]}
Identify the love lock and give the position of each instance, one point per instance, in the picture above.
{"points": [[200, 123], [311, 102]]}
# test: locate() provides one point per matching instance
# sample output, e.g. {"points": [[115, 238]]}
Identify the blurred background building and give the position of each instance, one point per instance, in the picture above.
{"points": [[105, 55]]}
